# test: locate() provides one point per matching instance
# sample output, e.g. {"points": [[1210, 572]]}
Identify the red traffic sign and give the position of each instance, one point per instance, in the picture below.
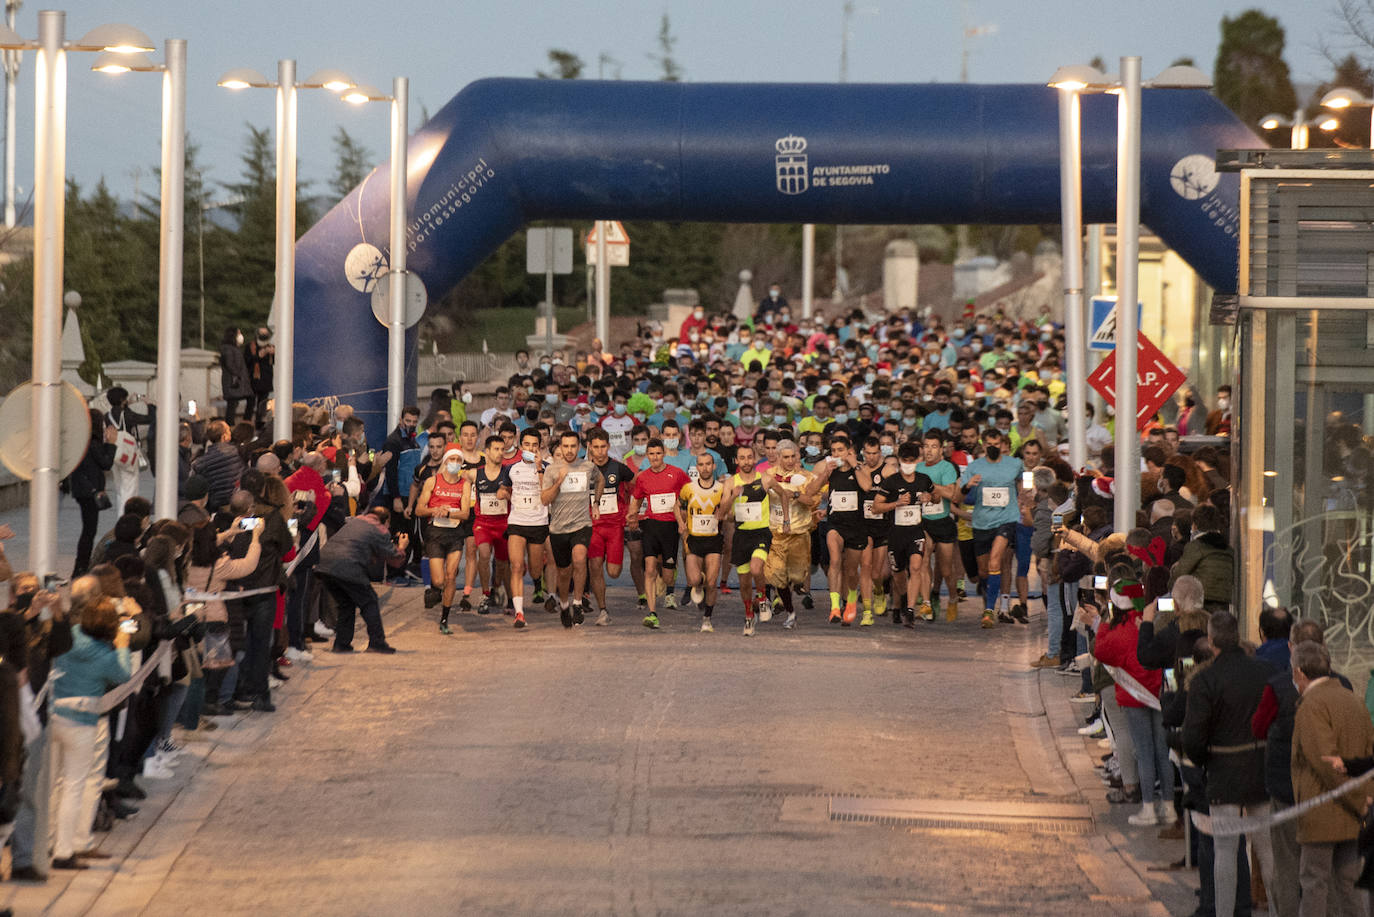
{"points": [[1157, 379]]}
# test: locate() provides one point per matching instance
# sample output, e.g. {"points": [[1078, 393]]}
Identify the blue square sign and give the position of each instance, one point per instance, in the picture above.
{"points": [[1102, 334]]}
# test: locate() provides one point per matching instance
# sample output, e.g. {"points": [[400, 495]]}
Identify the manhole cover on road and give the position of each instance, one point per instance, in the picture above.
{"points": [[952, 813]]}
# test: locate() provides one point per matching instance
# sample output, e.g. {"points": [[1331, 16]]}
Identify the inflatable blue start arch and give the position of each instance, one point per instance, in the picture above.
{"points": [[506, 151]]}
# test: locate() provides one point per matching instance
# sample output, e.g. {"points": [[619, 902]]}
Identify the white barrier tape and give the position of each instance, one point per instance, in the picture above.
{"points": [[1231, 825], [1133, 687], [108, 701], [196, 595]]}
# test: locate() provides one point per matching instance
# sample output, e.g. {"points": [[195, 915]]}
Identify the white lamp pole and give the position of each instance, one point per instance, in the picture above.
{"points": [[284, 335], [808, 269], [170, 259], [603, 287], [49, 175], [11, 61], [1126, 497]]}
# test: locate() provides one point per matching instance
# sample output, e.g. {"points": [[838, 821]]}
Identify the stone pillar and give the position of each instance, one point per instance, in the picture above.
{"points": [[901, 275]]}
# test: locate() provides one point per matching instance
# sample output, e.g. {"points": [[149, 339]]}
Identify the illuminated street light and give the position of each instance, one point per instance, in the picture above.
{"points": [[1341, 97], [172, 196], [1298, 126], [396, 290], [285, 332]]}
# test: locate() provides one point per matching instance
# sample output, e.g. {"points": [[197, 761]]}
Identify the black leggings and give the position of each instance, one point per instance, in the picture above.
{"points": [[90, 518]]}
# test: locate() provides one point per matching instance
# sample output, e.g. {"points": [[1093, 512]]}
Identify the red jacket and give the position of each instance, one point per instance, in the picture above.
{"points": [[1115, 646]]}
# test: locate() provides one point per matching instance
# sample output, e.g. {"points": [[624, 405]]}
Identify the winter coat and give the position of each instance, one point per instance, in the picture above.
{"points": [[1216, 728], [350, 554], [1209, 558], [89, 669], [1330, 721], [1116, 646], [233, 372], [88, 479], [221, 466]]}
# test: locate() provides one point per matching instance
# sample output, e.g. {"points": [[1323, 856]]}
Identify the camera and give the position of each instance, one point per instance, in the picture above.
{"points": [[249, 523], [51, 582], [1165, 603], [1099, 582], [128, 627]]}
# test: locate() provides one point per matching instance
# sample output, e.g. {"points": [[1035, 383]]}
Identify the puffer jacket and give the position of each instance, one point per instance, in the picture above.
{"points": [[1209, 558], [221, 466]]}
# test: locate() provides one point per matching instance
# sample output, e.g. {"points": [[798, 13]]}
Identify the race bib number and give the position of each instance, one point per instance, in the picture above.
{"points": [[775, 517], [661, 503], [575, 482], [705, 525], [525, 501], [868, 511], [692, 473], [493, 505], [996, 497], [907, 515], [845, 501], [748, 512], [444, 522], [610, 503], [618, 439]]}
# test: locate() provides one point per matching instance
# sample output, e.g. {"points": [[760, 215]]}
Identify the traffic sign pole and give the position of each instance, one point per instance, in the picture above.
{"points": [[603, 289]]}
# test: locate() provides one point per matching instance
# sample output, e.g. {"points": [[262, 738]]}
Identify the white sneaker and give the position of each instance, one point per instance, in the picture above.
{"points": [[322, 631], [791, 621], [1164, 811], [1092, 728], [766, 613], [748, 627], [1145, 817], [698, 595], [274, 682], [296, 655], [154, 769], [603, 619], [706, 627]]}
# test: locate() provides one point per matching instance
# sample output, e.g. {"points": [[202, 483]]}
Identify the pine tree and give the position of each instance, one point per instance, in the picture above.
{"points": [[353, 163], [1251, 76]]}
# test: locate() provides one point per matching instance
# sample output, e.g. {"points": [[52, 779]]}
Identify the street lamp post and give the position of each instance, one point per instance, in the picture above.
{"points": [[1126, 491], [168, 386], [1341, 97], [285, 333], [396, 291], [49, 173], [1298, 126]]}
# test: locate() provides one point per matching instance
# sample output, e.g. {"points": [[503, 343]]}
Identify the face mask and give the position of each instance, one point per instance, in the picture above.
{"points": [[453, 467], [958, 332], [532, 415], [1045, 335], [976, 347], [746, 419], [1223, 404], [545, 367], [934, 358], [870, 378], [467, 398], [238, 339], [842, 417], [670, 444], [551, 398], [784, 315], [823, 390], [527, 455], [620, 409], [772, 294], [994, 452], [812, 452], [907, 467], [669, 407], [886, 450], [640, 448], [834, 367], [23, 601], [982, 328], [698, 313], [909, 421], [779, 419], [694, 337]]}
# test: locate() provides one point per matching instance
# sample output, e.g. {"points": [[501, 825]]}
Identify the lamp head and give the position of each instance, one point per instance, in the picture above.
{"points": [[364, 93], [1181, 77], [1273, 122], [333, 80], [117, 37], [1328, 124], [1341, 97], [112, 62], [245, 78], [1076, 77]]}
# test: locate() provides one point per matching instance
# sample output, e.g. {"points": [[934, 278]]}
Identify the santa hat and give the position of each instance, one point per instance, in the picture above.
{"points": [[1104, 487], [1128, 594], [1152, 555]]}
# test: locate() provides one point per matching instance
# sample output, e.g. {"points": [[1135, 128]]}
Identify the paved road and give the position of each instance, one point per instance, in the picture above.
{"points": [[623, 771]]}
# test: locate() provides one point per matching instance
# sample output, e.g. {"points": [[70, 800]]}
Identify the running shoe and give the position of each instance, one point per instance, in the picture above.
{"points": [[851, 611], [1004, 618], [444, 628], [834, 616], [550, 603], [791, 621], [959, 587], [1020, 614], [651, 621], [686, 595], [724, 589], [540, 596], [1046, 661], [880, 605], [765, 612], [706, 627], [807, 602], [643, 602], [465, 604], [579, 613], [669, 601], [519, 619], [565, 615], [989, 620], [484, 608], [603, 619], [896, 616], [867, 619], [927, 612], [432, 596], [698, 595], [952, 611], [935, 605], [749, 626], [909, 617]]}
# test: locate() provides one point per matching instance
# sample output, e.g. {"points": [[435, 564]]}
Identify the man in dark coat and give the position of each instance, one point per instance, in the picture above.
{"points": [[1216, 736]]}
